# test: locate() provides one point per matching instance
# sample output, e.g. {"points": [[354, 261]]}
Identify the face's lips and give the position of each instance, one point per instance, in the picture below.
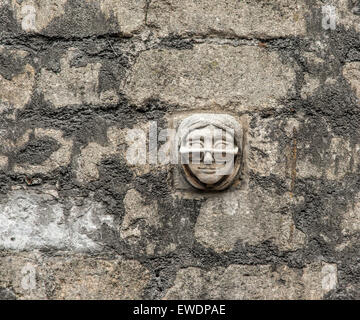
{"points": [[207, 169]]}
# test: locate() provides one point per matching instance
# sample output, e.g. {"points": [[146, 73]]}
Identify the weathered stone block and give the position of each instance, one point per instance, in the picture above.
{"points": [[351, 73], [36, 220], [82, 83], [310, 86], [16, 79], [89, 159], [350, 224], [130, 14], [140, 222], [242, 77], [80, 18], [337, 158], [36, 276], [251, 217], [280, 148], [259, 282], [118, 144], [61, 157], [267, 154], [35, 15], [228, 18], [3, 162], [347, 14], [136, 211], [74, 86]]}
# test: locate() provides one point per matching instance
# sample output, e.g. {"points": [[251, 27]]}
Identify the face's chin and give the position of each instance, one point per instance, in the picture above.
{"points": [[207, 174]]}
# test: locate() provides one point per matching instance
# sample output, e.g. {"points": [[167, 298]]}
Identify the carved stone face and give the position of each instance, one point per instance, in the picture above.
{"points": [[209, 150]]}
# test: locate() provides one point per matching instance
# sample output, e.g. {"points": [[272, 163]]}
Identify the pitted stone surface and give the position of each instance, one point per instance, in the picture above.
{"points": [[260, 282], [3, 162], [211, 75], [339, 156], [141, 224], [290, 155], [17, 85], [265, 157], [74, 85], [311, 85], [347, 14], [249, 19], [32, 220], [61, 157], [351, 72], [118, 145], [77, 78], [35, 15], [130, 14], [71, 277], [250, 217], [136, 212], [73, 18], [91, 155], [88, 161], [351, 218]]}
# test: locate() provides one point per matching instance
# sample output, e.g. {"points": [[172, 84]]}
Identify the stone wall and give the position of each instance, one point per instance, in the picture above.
{"points": [[78, 221]]}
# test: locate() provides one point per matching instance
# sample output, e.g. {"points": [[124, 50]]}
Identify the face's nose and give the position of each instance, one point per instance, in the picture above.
{"points": [[208, 158]]}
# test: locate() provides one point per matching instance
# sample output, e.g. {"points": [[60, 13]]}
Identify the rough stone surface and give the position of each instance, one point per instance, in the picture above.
{"points": [[38, 276], [56, 159], [79, 18], [310, 86], [290, 158], [118, 144], [16, 79], [249, 217], [351, 72], [130, 14], [341, 158], [3, 162], [31, 220], [35, 15], [87, 164], [209, 74], [74, 85], [135, 213], [254, 282], [351, 218], [81, 204], [248, 19], [91, 155], [141, 222], [347, 13]]}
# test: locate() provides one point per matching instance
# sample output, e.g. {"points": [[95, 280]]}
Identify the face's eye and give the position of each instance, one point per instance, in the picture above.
{"points": [[196, 144], [220, 145]]}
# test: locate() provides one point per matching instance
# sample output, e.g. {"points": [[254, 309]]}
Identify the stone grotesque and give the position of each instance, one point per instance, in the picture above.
{"points": [[210, 149]]}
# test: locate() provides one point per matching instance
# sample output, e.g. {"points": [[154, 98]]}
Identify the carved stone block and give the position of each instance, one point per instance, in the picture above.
{"points": [[211, 152]]}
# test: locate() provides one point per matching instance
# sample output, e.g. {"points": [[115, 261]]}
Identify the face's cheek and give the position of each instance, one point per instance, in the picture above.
{"points": [[193, 168], [207, 178], [225, 169]]}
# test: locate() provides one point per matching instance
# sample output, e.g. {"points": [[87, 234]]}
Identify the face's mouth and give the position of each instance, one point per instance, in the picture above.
{"points": [[208, 170]]}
